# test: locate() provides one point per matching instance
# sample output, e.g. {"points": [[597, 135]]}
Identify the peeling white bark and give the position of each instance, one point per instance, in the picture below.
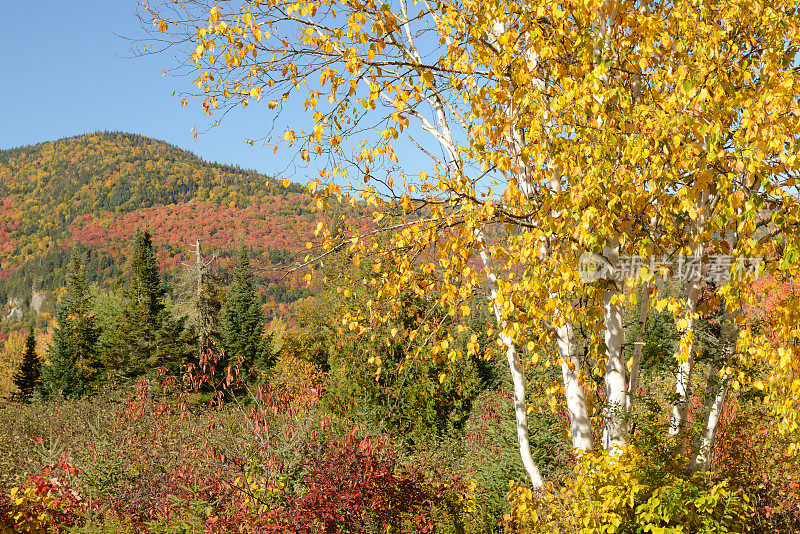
{"points": [[615, 376], [580, 425], [444, 137], [521, 412]]}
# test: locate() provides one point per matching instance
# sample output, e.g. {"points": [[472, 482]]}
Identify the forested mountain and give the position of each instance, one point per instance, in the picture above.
{"points": [[88, 194]]}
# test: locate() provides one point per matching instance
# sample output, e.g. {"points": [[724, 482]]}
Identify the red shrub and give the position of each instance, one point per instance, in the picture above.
{"points": [[751, 452], [352, 485], [47, 502]]}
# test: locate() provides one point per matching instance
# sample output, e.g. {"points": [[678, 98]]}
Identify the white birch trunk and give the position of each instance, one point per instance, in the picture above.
{"points": [[443, 135], [514, 365], [521, 412], [615, 375], [680, 407], [683, 376], [706, 446], [517, 377], [716, 391], [580, 425]]}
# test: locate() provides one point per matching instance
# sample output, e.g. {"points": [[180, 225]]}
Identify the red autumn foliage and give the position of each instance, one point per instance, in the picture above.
{"points": [[49, 498], [353, 485], [750, 452]]}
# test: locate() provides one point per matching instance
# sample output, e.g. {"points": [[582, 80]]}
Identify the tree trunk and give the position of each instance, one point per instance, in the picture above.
{"points": [[638, 345], [680, 407], [615, 379], [693, 277], [716, 390], [520, 407], [580, 425], [521, 412]]}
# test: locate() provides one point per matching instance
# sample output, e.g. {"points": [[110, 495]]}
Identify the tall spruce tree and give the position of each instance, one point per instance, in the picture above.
{"points": [[241, 320], [27, 377], [145, 336], [146, 290], [130, 347], [74, 359]]}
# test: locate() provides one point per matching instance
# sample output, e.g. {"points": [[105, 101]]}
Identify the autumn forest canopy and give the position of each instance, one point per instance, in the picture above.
{"points": [[542, 277]]}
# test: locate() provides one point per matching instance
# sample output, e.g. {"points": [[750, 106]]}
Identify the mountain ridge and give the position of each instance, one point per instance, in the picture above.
{"points": [[87, 194]]}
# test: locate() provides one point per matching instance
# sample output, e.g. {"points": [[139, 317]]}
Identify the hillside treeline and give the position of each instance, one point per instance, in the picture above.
{"points": [[89, 193]]}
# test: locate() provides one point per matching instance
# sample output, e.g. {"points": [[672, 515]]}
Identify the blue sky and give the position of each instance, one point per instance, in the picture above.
{"points": [[64, 73]]}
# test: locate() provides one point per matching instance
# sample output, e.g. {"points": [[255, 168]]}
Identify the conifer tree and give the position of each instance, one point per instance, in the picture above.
{"points": [[146, 289], [145, 337], [241, 321], [27, 376], [74, 359]]}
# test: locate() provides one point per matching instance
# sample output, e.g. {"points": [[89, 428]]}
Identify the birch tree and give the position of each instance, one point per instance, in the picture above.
{"points": [[636, 132]]}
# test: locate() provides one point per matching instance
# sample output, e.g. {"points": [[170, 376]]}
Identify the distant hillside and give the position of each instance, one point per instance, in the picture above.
{"points": [[89, 193]]}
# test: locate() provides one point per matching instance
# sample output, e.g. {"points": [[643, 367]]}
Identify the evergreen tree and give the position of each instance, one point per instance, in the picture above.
{"points": [[175, 344], [241, 320], [74, 358], [145, 337], [27, 376], [146, 289]]}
